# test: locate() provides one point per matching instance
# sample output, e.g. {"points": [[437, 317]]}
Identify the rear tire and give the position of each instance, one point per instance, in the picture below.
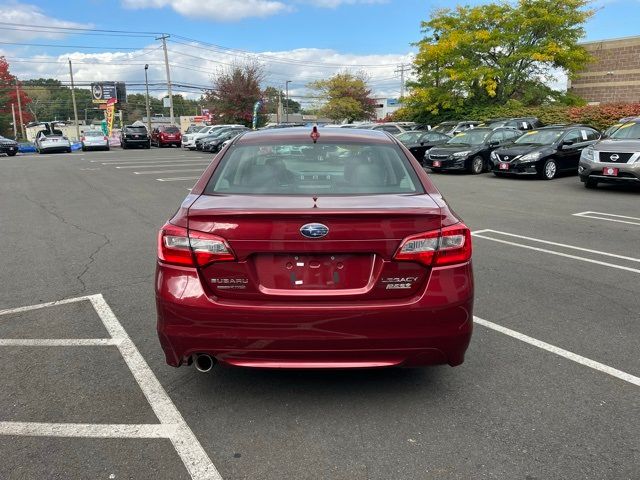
{"points": [[124, 146], [476, 166], [12, 154], [549, 170], [590, 183], [69, 150], [498, 174]]}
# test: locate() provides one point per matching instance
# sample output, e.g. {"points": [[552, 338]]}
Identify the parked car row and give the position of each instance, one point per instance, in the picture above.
{"points": [[543, 152]]}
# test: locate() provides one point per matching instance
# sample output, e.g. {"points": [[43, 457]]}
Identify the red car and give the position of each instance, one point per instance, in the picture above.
{"points": [[327, 251], [163, 136]]}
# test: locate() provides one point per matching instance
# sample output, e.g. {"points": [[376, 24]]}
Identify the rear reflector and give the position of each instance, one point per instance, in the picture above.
{"points": [[179, 247], [448, 246]]}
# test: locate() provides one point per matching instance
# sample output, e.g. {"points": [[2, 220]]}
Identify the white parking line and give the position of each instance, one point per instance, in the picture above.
{"points": [[172, 424], [156, 165], [158, 172], [602, 216], [86, 430], [57, 342], [184, 441], [574, 357], [562, 254], [176, 179], [147, 160]]}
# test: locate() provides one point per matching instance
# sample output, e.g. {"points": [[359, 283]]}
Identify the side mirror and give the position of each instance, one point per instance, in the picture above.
{"points": [[495, 143], [567, 144]]}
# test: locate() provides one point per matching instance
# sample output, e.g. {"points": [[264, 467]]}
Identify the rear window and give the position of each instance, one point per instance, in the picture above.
{"points": [[136, 129], [295, 169], [171, 130], [94, 133]]}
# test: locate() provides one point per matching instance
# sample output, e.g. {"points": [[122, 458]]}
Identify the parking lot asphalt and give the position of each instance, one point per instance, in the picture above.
{"points": [[549, 388]]}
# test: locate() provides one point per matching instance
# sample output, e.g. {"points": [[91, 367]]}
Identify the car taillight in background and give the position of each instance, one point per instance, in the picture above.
{"points": [[106, 139], [179, 247], [82, 139], [436, 248]]}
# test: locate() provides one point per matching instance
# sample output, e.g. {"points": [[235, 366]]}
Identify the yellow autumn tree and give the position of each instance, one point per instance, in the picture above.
{"points": [[493, 53]]}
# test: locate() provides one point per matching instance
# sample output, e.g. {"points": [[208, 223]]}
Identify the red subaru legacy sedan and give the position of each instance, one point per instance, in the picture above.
{"points": [[301, 248]]}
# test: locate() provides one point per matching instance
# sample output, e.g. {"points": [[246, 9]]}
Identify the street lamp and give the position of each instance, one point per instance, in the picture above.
{"points": [[146, 83], [286, 105]]}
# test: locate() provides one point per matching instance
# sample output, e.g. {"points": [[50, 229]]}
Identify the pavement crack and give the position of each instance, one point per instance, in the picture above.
{"points": [[91, 258]]}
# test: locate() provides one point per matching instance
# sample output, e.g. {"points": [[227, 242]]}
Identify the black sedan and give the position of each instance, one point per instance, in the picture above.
{"points": [[420, 142], [544, 152], [214, 144], [469, 151], [8, 146]]}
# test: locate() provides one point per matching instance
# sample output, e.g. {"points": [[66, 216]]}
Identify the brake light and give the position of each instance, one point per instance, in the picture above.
{"points": [[178, 247], [82, 139], [448, 246]]}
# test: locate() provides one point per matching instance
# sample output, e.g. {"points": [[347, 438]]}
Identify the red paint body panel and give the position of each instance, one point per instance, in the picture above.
{"points": [[340, 301]]}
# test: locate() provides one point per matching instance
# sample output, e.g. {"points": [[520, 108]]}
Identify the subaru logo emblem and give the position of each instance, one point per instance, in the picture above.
{"points": [[614, 157], [314, 230], [506, 157]]}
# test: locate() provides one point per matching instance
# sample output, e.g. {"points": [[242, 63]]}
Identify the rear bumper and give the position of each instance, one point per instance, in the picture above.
{"points": [[432, 328]]}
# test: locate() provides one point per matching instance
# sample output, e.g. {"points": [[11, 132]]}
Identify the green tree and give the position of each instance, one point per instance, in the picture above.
{"points": [[489, 54], [345, 96], [271, 96]]}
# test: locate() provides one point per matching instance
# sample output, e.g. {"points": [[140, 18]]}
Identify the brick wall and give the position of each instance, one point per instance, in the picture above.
{"points": [[613, 75]]}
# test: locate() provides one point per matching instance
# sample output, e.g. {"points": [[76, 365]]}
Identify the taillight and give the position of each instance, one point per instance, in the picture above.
{"points": [[106, 139], [448, 246], [177, 247], [82, 139]]}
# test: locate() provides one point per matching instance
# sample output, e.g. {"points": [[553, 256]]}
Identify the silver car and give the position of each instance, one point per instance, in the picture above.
{"points": [[94, 140], [613, 160], [47, 142]]}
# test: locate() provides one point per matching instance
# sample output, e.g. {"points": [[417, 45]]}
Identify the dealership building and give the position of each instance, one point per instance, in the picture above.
{"points": [[614, 74]]}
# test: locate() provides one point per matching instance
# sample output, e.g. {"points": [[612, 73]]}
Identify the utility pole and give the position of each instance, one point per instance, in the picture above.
{"points": [[286, 105], [146, 83], [15, 127], [166, 64], [75, 107], [401, 69], [20, 109]]}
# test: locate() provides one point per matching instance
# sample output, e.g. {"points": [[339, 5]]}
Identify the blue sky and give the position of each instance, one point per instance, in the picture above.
{"points": [[376, 33]]}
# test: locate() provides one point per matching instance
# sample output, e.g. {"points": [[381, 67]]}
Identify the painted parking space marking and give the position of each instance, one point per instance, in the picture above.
{"points": [[156, 165], [176, 179], [147, 160], [158, 172], [574, 357], [172, 425], [609, 217], [483, 234]]}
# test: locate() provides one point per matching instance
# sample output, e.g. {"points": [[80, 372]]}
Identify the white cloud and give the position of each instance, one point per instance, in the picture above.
{"points": [[337, 3], [221, 10], [233, 10], [23, 13], [304, 65]]}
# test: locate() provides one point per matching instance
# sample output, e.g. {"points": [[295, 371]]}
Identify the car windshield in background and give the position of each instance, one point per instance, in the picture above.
{"points": [[331, 169], [539, 137], [137, 129], [443, 127], [627, 131], [470, 137], [410, 137], [94, 133], [193, 129]]}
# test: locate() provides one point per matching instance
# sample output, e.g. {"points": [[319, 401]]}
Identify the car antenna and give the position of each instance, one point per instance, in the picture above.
{"points": [[315, 201]]}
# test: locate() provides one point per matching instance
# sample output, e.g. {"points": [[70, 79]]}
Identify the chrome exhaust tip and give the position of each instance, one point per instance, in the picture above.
{"points": [[203, 362]]}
